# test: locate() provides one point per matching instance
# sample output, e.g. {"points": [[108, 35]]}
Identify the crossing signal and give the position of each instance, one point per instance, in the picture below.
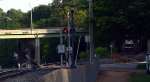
{"points": [[65, 30]]}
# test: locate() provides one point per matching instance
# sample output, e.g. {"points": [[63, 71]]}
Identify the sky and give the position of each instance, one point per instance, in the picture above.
{"points": [[23, 5]]}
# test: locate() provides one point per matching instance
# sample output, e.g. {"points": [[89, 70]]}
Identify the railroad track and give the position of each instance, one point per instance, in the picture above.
{"points": [[11, 73]]}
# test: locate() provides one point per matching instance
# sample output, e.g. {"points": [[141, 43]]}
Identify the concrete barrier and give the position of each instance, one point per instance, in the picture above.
{"points": [[83, 73]]}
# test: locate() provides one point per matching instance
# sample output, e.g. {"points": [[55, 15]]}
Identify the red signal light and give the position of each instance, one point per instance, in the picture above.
{"points": [[65, 30]]}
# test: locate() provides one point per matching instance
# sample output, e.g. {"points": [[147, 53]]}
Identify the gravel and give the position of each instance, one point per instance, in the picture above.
{"points": [[31, 76]]}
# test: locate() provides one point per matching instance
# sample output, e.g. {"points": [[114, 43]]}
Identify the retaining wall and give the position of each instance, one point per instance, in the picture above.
{"points": [[83, 73]]}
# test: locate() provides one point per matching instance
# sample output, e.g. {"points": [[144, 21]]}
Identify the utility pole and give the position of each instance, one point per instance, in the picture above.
{"points": [[91, 31], [31, 19], [69, 52], [72, 31]]}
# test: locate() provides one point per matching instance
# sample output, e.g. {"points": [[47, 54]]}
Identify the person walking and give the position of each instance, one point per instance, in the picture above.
{"points": [[28, 59], [15, 60]]}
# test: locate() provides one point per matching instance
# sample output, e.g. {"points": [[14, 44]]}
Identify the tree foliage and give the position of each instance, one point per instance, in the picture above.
{"points": [[43, 16], [102, 52], [116, 18], [112, 20], [52, 15]]}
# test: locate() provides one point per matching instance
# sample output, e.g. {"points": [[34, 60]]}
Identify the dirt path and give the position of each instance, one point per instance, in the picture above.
{"points": [[113, 76]]}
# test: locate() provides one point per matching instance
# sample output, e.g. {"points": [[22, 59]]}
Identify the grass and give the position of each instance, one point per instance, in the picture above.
{"points": [[141, 66], [139, 77]]}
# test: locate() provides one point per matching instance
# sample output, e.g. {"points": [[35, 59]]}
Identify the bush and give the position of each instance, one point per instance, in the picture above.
{"points": [[102, 51], [83, 55], [141, 66], [139, 77]]}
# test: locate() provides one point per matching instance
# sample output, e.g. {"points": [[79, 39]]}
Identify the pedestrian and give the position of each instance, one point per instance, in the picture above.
{"points": [[15, 60], [23, 59], [28, 59]]}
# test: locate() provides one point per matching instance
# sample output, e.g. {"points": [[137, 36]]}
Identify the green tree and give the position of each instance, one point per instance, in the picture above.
{"points": [[48, 49], [13, 18], [7, 47], [114, 19], [41, 12], [2, 17]]}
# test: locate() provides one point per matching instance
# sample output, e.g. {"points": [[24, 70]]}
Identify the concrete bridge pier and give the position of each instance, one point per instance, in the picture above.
{"points": [[37, 49]]}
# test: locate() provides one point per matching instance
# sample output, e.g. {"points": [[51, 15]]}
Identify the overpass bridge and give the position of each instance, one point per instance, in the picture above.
{"points": [[33, 33], [37, 34]]}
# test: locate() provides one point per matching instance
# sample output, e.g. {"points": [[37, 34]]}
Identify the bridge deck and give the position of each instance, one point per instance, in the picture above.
{"points": [[33, 33], [30, 31]]}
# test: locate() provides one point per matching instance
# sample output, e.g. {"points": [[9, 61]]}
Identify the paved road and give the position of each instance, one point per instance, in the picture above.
{"points": [[125, 66], [113, 76], [116, 72]]}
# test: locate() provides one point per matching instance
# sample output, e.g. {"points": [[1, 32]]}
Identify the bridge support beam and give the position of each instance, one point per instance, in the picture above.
{"points": [[37, 49]]}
